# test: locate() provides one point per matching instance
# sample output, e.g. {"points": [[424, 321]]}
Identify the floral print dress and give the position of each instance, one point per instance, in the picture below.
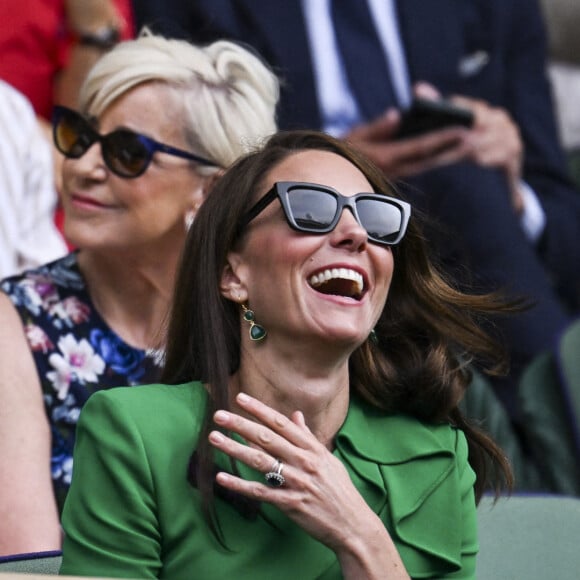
{"points": [[75, 352]]}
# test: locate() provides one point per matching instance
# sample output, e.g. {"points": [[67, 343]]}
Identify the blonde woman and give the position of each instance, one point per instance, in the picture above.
{"points": [[158, 121]]}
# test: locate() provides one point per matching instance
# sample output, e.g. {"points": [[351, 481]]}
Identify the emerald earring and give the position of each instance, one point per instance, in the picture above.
{"points": [[257, 332]]}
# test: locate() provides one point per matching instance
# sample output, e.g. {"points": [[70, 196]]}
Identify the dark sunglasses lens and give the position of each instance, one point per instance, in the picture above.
{"points": [[125, 154], [312, 209], [73, 135], [381, 219]]}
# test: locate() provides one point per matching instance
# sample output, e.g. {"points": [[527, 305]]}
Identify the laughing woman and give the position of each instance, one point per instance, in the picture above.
{"points": [[159, 120], [308, 424]]}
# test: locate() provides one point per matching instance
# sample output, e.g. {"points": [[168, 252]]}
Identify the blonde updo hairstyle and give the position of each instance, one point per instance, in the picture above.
{"points": [[228, 94]]}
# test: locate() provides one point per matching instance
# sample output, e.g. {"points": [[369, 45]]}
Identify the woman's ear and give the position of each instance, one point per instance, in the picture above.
{"points": [[210, 181], [194, 202], [232, 286], [199, 194]]}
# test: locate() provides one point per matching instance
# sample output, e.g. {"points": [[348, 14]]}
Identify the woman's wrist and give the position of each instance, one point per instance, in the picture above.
{"points": [[371, 554], [104, 37]]}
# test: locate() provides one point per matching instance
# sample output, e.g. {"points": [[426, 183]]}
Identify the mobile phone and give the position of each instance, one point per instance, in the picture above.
{"points": [[425, 115]]}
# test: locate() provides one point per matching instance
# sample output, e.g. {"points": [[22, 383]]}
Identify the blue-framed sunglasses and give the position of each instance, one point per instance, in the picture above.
{"points": [[126, 153], [316, 209]]}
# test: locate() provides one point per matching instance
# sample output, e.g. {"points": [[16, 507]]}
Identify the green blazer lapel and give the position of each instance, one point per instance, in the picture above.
{"points": [[413, 466]]}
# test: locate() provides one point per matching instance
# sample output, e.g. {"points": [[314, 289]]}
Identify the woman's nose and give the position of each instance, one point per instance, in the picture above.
{"points": [[90, 165], [349, 233]]}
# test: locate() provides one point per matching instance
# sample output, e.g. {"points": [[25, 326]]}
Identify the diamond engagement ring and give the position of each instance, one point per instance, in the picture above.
{"points": [[275, 477]]}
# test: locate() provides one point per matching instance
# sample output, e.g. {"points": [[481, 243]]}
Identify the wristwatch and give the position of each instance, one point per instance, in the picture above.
{"points": [[104, 38]]}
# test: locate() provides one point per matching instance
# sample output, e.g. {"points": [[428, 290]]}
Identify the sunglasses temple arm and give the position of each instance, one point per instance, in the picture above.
{"points": [[184, 154], [259, 206]]}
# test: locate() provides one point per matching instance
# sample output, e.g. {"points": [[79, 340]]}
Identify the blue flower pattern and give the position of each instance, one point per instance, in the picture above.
{"points": [[119, 356], [74, 350]]}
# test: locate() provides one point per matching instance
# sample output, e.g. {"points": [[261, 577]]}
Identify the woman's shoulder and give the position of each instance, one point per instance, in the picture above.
{"points": [[148, 406], [63, 271], [152, 394], [393, 438], [148, 417], [41, 289]]}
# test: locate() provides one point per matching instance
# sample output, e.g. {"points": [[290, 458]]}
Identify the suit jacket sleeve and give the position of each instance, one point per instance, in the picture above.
{"points": [[545, 168], [109, 516]]}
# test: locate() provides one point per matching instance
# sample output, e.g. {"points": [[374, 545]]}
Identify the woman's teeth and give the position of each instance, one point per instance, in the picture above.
{"points": [[327, 276]]}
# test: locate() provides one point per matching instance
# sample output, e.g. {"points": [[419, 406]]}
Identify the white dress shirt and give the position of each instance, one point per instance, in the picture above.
{"points": [[337, 103], [28, 236], [336, 100]]}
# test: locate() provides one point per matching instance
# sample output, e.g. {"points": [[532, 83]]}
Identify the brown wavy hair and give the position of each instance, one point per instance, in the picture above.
{"points": [[428, 334]]}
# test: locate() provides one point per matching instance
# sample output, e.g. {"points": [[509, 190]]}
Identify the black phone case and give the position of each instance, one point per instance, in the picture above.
{"points": [[425, 115]]}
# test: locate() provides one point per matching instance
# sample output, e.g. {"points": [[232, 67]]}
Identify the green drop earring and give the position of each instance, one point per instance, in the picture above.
{"points": [[257, 332]]}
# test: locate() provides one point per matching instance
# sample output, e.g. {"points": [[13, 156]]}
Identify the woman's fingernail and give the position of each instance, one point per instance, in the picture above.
{"points": [[223, 477], [221, 416], [243, 398], [216, 437]]}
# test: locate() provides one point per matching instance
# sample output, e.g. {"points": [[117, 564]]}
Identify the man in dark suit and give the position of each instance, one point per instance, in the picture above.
{"points": [[477, 184]]}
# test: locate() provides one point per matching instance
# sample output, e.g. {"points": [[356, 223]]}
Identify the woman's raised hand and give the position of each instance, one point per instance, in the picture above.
{"points": [[316, 493]]}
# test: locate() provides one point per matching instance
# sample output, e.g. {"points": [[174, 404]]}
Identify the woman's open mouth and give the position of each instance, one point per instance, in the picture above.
{"points": [[339, 281]]}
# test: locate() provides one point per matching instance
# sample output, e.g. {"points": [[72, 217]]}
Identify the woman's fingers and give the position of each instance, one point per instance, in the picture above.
{"points": [[256, 458], [269, 428], [253, 457], [269, 438], [268, 435]]}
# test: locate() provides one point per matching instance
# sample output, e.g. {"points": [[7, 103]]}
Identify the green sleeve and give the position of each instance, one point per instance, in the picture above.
{"points": [[109, 518]]}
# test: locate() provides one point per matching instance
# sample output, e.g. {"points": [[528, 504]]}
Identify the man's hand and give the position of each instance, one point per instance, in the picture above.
{"points": [[89, 16], [408, 156], [495, 141]]}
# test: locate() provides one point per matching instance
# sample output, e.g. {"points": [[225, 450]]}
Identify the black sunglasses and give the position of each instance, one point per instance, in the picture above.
{"points": [[316, 209], [126, 153]]}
